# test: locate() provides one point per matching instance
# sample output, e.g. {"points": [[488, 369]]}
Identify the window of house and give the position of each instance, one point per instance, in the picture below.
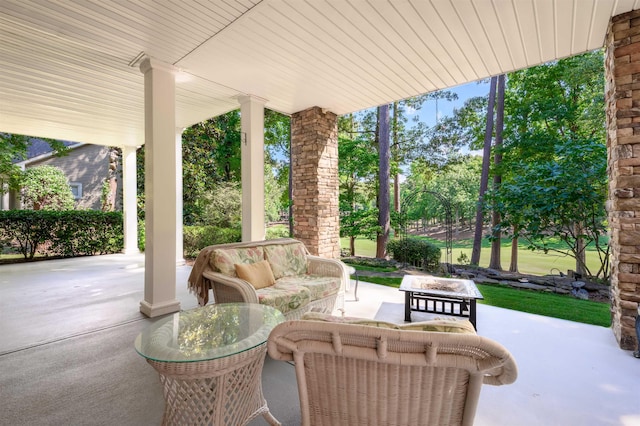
{"points": [[76, 190]]}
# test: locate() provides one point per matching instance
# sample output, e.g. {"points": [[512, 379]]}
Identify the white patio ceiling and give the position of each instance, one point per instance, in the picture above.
{"points": [[69, 68]]}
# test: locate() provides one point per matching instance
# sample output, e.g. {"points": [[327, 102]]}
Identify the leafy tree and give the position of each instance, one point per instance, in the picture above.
{"points": [[560, 198], [273, 190], [554, 157], [210, 155], [463, 129], [356, 223], [46, 188], [277, 138], [14, 148], [357, 170], [211, 158], [222, 208], [457, 182]]}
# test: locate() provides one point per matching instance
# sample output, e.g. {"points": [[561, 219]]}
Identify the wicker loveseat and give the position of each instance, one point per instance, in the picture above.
{"points": [[301, 282]]}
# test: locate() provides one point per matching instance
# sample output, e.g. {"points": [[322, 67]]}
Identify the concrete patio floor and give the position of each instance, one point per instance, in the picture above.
{"points": [[67, 357]]}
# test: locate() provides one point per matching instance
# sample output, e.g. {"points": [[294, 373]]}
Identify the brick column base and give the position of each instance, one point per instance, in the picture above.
{"points": [[314, 153]]}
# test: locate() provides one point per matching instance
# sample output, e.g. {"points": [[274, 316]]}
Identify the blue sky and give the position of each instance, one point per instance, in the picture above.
{"points": [[428, 111]]}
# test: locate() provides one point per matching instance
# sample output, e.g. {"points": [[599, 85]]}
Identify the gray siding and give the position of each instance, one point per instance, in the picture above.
{"points": [[88, 165]]}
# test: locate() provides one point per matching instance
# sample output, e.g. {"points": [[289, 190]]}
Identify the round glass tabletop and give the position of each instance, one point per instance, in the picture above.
{"points": [[206, 333]]}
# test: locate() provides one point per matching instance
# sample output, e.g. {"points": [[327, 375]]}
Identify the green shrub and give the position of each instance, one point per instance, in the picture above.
{"points": [[415, 251], [195, 238], [46, 188], [62, 233], [141, 235], [278, 231]]}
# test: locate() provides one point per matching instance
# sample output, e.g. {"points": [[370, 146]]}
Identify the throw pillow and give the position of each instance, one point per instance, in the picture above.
{"points": [[258, 274]]}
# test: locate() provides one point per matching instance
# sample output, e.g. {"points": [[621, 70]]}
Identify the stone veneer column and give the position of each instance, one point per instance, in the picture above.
{"points": [[314, 153], [622, 63]]}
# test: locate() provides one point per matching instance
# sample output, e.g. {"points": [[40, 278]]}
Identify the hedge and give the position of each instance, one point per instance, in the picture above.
{"points": [[415, 251], [62, 233]]}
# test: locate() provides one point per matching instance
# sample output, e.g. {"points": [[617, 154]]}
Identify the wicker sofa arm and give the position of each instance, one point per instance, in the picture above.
{"points": [[329, 268], [228, 289]]}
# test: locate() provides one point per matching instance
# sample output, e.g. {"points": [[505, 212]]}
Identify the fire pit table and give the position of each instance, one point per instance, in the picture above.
{"points": [[448, 296]]}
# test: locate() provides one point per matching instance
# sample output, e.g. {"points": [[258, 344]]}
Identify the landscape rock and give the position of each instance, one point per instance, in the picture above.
{"points": [[580, 293], [529, 286], [578, 284]]}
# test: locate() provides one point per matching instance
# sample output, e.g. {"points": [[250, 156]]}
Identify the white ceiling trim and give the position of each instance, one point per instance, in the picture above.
{"points": [[66, 64]]}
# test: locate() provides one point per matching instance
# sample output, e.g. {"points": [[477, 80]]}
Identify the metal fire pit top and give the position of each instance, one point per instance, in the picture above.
{"points": [[451, 287]]}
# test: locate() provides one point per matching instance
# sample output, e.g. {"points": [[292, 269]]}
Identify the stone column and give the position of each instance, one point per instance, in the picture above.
{"points": [[622, 63], [314, 152]]}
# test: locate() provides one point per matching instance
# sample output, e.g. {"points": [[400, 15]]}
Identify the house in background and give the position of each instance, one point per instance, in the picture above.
{"points": [[91, 170]]}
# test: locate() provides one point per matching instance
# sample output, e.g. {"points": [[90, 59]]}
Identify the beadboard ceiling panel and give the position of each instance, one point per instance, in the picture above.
{"points": [[69, 68]]}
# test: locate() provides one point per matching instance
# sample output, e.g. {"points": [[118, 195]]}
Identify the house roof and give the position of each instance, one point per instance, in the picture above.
{"points": [[38, 147], [70, 69]]}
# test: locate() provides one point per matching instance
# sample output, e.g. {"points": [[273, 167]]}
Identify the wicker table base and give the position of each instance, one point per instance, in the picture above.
{"points": [[225, 391]]}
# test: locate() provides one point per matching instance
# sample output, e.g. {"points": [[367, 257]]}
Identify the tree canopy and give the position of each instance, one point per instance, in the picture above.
{"points": [[554, 181]]}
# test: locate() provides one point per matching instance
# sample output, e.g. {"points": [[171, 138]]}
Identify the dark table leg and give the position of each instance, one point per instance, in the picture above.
{"points": [[472, 313], [407, 305]]}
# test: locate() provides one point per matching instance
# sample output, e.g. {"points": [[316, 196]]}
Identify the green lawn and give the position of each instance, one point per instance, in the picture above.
{"points": [[529, 262], [546, 304]]}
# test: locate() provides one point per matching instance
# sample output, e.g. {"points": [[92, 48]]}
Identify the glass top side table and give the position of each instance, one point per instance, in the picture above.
{"points": [[210, 362]]}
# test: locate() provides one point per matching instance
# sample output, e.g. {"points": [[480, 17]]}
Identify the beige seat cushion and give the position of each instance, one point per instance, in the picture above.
{"points": [[258, 274], [437, 325]]}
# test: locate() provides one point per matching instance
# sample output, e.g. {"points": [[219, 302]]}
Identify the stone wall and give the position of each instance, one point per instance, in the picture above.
{"points": [[622, 89], [314, 152]]}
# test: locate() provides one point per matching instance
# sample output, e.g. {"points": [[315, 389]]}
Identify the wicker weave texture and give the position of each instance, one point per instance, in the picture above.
{"points": [[224, 391], [361, 375]]}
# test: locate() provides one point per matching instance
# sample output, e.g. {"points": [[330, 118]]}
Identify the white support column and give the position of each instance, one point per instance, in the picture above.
{"points": [[160, 189], [179, 199], [130, 199], [4, 195], [252, 168]]}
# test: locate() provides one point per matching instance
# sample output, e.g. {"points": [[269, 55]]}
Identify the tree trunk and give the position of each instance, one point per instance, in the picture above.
{"points": [[484, 177], [352, 246], [581, 258], [513, 266], [396, 148], [384, 199], [494, 261]]}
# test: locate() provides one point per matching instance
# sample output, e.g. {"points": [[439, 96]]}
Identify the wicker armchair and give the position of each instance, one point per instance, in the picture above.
{"points": [[363, 375]]}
